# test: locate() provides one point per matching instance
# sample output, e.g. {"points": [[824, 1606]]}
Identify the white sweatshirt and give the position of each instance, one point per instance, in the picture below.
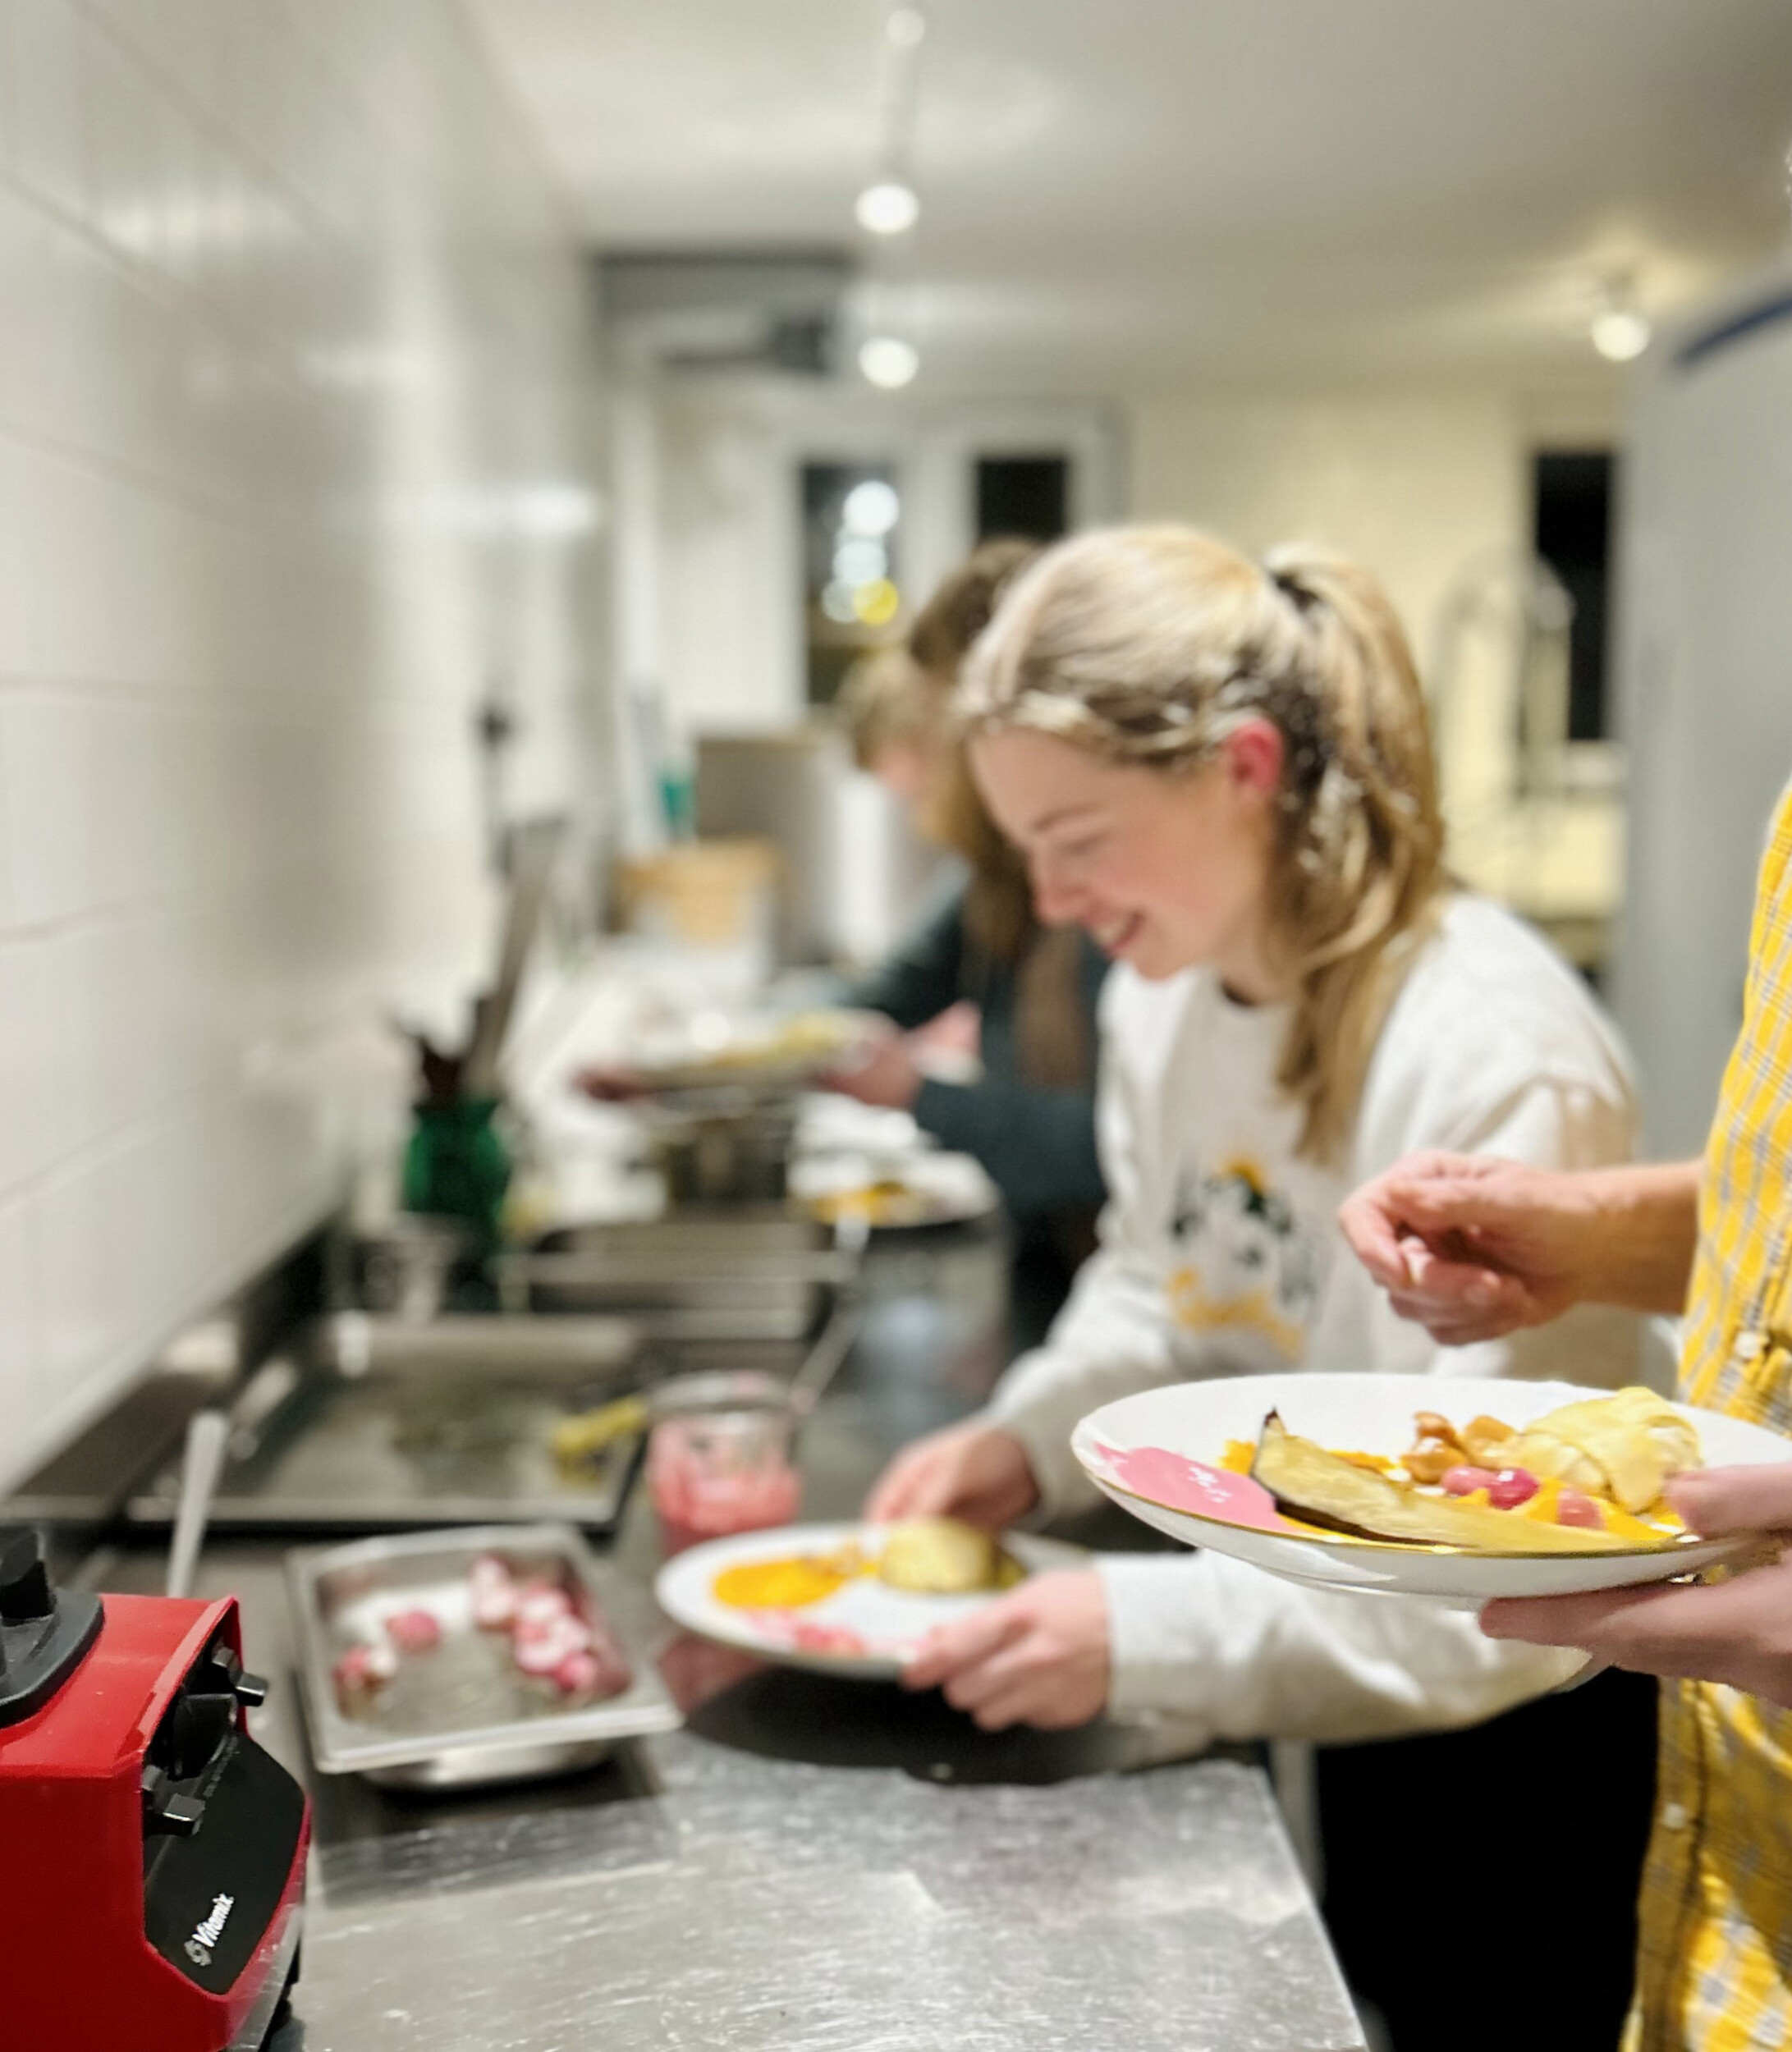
{"points": [[1221, 1255]]}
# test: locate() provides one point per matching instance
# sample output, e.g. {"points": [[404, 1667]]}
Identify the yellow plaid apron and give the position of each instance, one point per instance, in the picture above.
{"points": [[1715, 1972]]}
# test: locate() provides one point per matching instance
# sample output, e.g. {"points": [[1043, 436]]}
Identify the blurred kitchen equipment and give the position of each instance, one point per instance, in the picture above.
{"points": [[852, 871], [406, 1265], [365, 1423], [457, 1165], [462, 1712], [154, 1881], [208, 1433], [711, 893], [722, 1147], [739, 1273], [584, 1436], [713, 1472], [534, 846]]}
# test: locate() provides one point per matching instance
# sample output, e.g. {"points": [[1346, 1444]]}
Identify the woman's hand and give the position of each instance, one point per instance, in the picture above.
{"points": [[885, 1074], [1473, 1247], [1739, 1632], [975, 1472], [613, 1083], [1038, 1655]]}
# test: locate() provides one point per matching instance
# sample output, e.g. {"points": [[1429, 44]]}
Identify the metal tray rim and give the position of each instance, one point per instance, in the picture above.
{"points": [[644, 1707]]}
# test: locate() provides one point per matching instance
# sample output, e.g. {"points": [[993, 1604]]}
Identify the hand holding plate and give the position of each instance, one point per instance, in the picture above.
{"points": [[884, 1073], [1039, 1656], [1737, 1632]]}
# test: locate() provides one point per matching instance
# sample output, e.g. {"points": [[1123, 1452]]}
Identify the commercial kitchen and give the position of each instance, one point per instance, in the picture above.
{"points": [[524, 1172]]}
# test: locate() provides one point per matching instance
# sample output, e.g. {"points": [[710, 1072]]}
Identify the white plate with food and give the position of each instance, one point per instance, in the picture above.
{"points": [[923, 1189], [710, 1049], [1462, 1488], [847, 1599]]}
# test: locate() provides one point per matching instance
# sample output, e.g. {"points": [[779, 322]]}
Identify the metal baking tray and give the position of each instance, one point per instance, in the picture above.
{"points": [[378, 1424], [737, 1272], [461, 1714]]}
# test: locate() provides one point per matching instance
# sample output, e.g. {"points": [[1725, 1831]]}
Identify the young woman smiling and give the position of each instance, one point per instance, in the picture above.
{"points": [[1223, 771]]}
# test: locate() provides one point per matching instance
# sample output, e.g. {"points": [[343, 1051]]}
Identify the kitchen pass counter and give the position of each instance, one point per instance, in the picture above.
{"points": [[770, 1906], [902, 1882], [812, 1865]]}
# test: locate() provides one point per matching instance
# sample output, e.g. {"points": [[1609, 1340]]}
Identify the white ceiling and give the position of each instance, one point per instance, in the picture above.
{"points": [[1125, 190]]}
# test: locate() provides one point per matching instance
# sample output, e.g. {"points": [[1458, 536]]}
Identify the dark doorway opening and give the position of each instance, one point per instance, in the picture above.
{"points": [[1572, 495], [1027, 496]]}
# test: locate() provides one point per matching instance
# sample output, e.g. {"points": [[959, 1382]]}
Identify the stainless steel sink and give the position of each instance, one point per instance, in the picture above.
{"points": [[372, 1423]]}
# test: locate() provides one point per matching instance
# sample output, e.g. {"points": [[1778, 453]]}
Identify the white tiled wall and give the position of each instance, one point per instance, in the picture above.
{"points": [[295, 451]]}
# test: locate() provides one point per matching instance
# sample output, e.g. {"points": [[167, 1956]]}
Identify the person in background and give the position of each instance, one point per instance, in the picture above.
{"points": [[1222, 770], [1474, 1250], [1030, 1120]]}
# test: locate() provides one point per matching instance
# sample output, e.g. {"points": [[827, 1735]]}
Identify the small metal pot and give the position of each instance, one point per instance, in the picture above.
{"points": [[725, 1153]]}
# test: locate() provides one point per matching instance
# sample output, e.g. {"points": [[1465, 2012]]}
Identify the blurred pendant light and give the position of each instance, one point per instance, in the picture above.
{"points": [[905, 27], [889, 207], [889, 204], [1621, 329], [888, 361]]}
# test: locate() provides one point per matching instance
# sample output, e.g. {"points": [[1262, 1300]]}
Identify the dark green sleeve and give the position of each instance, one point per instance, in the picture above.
{"points": [[1037, 1145], [925, 975]]}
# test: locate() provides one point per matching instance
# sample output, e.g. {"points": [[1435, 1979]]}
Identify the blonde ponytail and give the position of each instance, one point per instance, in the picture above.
{"points": [[1148, 646]]}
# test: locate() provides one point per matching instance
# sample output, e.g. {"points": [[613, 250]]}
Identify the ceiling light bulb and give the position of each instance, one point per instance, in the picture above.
{"points": [[872, 508], [889, 361], [1621, 333], [887, 207], [905, 27]]}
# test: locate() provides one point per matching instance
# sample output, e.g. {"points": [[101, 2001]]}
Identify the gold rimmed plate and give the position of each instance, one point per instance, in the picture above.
{"points": [[1161, 1455]]}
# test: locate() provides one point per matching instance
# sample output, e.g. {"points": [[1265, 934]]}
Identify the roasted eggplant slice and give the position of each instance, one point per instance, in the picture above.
{"points": [[1321, 1488]]}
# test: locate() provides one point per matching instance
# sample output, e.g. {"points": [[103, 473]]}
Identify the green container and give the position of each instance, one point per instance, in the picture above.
{"points": [[457, 1165]]}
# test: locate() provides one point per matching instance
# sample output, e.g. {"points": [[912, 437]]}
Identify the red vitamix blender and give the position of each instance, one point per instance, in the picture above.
{"points": [[152, 1856]]}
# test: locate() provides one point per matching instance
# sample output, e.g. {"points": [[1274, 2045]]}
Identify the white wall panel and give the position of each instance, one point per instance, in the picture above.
{"points": [[292, 336], [1705, 674]]}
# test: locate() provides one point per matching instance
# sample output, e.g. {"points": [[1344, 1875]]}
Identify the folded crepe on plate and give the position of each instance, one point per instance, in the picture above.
{"points": [[1626, 1447]]}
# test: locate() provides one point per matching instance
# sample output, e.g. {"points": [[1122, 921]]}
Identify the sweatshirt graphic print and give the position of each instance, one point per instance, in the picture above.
{"points": [[1245, 1257]]}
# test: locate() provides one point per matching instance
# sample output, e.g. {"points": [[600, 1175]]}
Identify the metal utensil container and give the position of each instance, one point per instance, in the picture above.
{"points": [[463, 1713], [405, 1266]]}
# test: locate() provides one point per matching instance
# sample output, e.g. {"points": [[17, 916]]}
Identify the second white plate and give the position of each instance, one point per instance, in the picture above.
{"points": [[865, 1629]]}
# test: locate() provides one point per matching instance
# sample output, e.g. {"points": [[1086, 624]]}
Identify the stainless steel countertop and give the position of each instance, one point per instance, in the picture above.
{"points": [[758, 1904], [811, 1866]]}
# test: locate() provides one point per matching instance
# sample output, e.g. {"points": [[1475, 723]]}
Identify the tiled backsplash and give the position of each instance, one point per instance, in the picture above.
{"points": [[295, 449]]}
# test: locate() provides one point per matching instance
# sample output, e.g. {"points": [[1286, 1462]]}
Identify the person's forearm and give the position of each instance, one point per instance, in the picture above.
{"points": [[1645, 1230], [1253, 1657]]}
